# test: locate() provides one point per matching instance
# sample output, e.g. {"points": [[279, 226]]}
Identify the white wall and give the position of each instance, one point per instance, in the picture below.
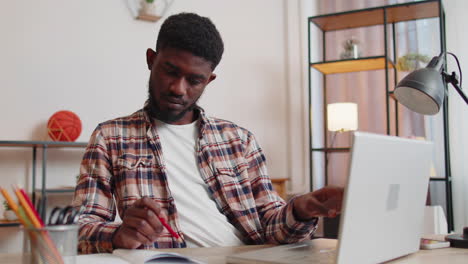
{"points": [[89, 57], [457, 41]]}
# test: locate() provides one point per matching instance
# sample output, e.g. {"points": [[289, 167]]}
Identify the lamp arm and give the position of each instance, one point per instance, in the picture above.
{"points": [[452, 79]]}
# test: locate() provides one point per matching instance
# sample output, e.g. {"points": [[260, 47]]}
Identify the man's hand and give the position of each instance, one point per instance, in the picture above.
{"points": [[140, 225], [324, 202]]}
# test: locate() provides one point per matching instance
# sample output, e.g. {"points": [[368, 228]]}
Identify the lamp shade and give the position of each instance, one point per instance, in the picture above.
{"points": [[342, 117], [421, 91]]}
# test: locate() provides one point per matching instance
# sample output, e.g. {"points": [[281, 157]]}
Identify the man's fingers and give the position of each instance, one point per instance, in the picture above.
{"points": [[150, 229], [334, 203], [323, 202], [140, 224], [142, 217], [127, 237], [315, 205], [148, 203], [147, 215], [133, 237], [329, 192]]}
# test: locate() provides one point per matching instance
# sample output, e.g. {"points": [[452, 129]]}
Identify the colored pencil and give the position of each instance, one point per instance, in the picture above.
{"points": [[12, 204], [29, 211], [28, 201], [27, 224], [36, 221]]}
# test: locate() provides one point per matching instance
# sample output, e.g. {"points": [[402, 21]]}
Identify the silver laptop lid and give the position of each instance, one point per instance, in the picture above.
{"points": [[384, 199]]}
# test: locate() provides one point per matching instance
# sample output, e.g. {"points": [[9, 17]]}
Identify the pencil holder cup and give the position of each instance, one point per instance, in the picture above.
{"points": [[55, 244]]}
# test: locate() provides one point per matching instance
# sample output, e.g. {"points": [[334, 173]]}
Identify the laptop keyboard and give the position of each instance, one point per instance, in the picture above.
{"points": [[325, 256]]}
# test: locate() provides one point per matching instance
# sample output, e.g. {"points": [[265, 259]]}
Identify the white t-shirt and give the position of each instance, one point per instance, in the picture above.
{"points": [[200, 220]]}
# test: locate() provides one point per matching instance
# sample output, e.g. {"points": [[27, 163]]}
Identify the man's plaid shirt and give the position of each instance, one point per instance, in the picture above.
{"points": [[124, 162]]}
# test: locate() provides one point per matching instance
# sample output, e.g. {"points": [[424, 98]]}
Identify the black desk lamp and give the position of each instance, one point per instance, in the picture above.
{"points": [[423, 91]]}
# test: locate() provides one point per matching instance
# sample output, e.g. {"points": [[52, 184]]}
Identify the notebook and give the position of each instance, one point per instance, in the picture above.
{"points": [[138, 256], [383, 207]]}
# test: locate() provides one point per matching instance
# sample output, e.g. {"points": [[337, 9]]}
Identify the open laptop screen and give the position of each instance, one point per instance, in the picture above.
{"points": [[384, 199], [383, 207]]}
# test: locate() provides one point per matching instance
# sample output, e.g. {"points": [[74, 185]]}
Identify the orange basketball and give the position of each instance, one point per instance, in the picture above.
{"points": [[64, 126]]}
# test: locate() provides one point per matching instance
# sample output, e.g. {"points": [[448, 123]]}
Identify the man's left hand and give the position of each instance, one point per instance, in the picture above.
{"points": [[323, 202]]}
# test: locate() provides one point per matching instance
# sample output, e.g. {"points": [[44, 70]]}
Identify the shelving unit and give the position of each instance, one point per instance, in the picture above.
{"points": [[44, 145], [6, 223], [384, 16], [352, 65]]}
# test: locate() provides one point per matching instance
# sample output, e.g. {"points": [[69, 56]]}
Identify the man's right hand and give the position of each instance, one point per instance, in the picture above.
{"points": [[140, 225], [323, 202]]}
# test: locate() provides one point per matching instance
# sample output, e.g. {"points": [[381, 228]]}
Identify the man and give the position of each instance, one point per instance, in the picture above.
{"points": [[204, 176]]}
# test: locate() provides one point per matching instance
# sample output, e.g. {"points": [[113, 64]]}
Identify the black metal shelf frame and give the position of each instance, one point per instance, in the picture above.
{"points": [[44, 145], [390, 16]]}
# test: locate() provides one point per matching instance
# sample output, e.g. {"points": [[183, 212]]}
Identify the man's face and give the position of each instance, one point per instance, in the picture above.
{"points": [[178, 79]]}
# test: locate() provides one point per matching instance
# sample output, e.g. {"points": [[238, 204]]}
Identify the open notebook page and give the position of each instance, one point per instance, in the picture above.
{"points": [[152, 256]]}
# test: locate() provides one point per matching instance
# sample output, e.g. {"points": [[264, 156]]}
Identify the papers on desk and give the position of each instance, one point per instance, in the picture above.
{"points": [[103, 258], [125, 256]]}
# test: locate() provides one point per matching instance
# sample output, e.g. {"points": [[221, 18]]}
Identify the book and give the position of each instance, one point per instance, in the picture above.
{"points": [[137, 256]]}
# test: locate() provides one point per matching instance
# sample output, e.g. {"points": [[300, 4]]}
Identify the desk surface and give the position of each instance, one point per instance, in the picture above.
{"points": [[444, 255], [217, 255]]}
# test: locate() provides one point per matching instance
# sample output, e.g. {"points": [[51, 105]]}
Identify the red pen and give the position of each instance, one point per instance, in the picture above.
{"points": [[168, 227]]}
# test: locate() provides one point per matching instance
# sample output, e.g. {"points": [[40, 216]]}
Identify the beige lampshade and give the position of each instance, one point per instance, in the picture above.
{"points": [[342, 117]]}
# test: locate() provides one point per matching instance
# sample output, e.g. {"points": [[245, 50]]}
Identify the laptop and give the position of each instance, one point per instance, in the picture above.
{"points": [[383, 207]]}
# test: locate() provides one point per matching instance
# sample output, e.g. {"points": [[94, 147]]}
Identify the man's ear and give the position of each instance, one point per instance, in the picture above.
{"points": [[211, 78], [150, 58]]}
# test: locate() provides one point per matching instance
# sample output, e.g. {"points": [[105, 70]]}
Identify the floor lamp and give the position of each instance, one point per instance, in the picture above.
{"points": [[341, 117]]}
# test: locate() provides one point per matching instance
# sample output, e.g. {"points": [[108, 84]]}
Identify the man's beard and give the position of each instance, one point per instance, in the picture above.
{"points": [[167, 117]]}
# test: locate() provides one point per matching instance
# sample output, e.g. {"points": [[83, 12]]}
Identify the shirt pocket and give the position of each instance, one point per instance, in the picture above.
{"points": [[235, 187], [132, 162], [236, 173], [135, 176]]}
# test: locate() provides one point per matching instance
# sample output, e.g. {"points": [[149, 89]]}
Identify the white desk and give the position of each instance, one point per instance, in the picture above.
{"points": [[217, 255]]}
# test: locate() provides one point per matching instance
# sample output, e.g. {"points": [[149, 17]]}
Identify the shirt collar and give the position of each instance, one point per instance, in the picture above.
{"points": [[201, 117]]}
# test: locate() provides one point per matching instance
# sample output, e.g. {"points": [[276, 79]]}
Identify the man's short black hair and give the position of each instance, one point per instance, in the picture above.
{"points": [[192, 33]]}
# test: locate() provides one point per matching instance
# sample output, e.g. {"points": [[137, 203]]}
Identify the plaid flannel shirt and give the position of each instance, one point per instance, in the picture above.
{"points": [[124, 162]]}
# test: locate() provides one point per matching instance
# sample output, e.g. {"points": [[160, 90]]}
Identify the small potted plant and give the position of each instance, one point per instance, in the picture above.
{"points": [[411, 62], [350, 49], [8, 213], [148, 7]]}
